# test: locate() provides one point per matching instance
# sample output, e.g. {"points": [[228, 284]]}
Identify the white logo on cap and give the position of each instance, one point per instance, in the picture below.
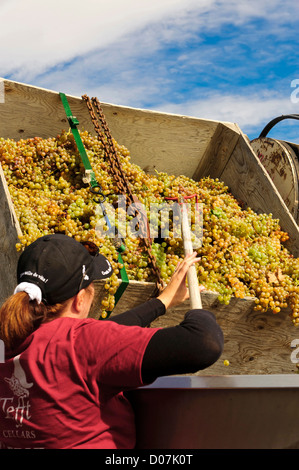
{"points": [[108, 270], [30, 273], [85, 276]]}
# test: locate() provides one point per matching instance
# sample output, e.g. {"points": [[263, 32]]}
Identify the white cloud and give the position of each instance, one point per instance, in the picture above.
{"points": [[111, 50], [36, 35], [250, 112]]}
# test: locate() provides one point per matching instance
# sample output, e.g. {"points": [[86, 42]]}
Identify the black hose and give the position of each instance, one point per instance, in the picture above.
{"points": [[272, 123]]}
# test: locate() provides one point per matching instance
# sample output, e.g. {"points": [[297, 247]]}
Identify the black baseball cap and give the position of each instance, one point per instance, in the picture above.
{"points": [[60, 266]]}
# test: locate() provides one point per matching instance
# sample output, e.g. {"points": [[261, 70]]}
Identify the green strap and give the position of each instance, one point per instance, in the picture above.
{"points": [[73, 121], [123, 285]]}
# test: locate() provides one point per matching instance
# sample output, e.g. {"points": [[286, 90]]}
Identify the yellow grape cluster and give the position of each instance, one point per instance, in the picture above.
{"points": [[242, 253]]}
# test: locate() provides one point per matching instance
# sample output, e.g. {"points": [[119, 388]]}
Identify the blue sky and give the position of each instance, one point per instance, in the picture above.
{"points": [[226, 60]]}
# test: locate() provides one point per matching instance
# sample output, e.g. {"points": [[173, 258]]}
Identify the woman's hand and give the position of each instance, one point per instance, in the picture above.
{"points": [[177, 291]]}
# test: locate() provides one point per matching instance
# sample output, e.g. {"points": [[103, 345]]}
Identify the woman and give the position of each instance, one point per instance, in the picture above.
{"points": [[63, 381]]}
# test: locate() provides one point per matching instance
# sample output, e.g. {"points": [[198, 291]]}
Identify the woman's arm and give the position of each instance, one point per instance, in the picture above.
{"points": [[142, 315], [173, 294], [195, 344]]}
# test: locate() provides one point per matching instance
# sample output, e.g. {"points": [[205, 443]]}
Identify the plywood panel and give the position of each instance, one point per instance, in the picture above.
{"points": [[249, 182], [9, 231], [162, 142], [217, 153], [254, 342], [29, 111], [158, 141]]}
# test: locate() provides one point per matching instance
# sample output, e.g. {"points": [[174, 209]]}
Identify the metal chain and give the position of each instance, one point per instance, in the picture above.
{"points": [[120, 179], [120, 182]]}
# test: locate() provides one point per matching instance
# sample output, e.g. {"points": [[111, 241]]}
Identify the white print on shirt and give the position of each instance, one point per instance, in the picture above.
{"points": [[17, 407], [19, 434]]}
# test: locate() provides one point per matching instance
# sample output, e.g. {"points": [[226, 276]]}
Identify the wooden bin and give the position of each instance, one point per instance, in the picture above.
{"points": [[255, 343]]}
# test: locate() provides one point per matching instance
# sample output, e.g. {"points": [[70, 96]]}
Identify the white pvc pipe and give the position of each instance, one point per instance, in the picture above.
{"points": [[194, 293]]}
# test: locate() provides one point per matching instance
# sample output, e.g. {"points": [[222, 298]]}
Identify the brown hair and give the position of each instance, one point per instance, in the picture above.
{"points": [[19, 317]]}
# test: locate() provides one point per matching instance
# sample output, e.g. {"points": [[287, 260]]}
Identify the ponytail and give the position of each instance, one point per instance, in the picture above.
{"points": [[19, 317]]}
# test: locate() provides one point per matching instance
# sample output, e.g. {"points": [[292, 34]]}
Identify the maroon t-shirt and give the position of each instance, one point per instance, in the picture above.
{"points": [[64, 386]]}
